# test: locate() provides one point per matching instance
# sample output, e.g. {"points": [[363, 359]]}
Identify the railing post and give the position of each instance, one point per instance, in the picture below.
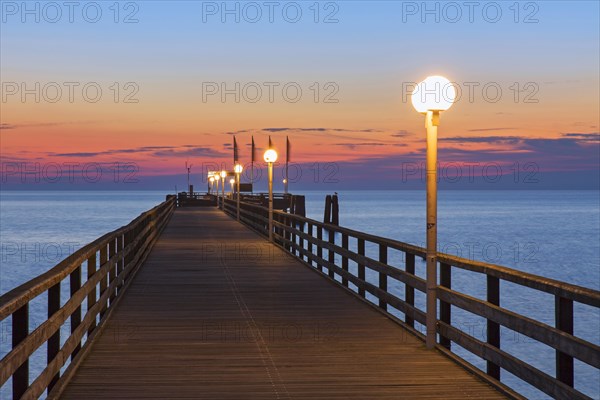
{"points": [[20, 330], [75, 285], [309, 245], [120, 259], [331, 256], [445, 308], [54, 341], [290, 224], [287, 234], [112, 245], [361, 267], [300, 225], [319, 248], [344, 258], [91, 298], [409, 291], [103, 284], [383, 258], [493, 328], [564, 321]]}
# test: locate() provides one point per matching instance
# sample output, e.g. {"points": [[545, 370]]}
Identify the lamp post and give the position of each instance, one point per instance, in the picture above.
{"points": [[238, 170], [212, 184], [430, 97], [232, 183], [270, 157], [223, 175]]}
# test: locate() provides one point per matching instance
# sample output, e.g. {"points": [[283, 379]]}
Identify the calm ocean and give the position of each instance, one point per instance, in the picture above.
{"points": [[555, 234]]}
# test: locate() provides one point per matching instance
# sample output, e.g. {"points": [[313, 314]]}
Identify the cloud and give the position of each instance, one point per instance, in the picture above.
{"points": [[490, 129], [45, 124], [157, 151], [352, 146], [191, 152], [401, 133], [586, 137], [482, 139], [274, 130]]}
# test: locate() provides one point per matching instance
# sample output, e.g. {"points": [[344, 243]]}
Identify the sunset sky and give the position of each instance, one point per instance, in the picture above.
{"points": [[162, 77]]}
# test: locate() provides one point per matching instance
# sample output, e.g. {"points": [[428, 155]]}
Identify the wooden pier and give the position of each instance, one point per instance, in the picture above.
{"points": [[189, 303]]}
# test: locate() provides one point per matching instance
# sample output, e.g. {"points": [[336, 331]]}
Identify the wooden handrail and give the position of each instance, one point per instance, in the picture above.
{"points": [[296, 235], [120, 253]]}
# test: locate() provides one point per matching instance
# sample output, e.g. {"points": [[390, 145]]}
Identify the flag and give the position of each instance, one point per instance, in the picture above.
{"points": [[235, 151], [287, 149], [253, 149]]}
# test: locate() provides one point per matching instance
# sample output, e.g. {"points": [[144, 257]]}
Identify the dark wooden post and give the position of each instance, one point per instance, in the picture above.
{"points": [[91, 298], [75, 285], [445, 308], [327, 212], [319, 248], [361, 267], [103, 284], [409, 291], [493, 328], [564, 321], [335, 210], [309, 244], [20, 330], [331, 257], [120, 259], [288, 235], [54, 341], [300, 225], [344, 258], [383, 258], [112, 246]]}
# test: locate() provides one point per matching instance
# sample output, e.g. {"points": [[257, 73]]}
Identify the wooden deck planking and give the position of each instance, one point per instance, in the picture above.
{"points": [[216, 312]]}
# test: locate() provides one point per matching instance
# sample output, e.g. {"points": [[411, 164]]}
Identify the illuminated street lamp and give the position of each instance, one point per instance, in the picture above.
{"points": [[232, 182], [212, 183], [430, 97], [223, 175], [238, 170], [270, 157]]}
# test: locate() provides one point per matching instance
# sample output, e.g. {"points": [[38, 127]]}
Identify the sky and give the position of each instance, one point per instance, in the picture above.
{"points": [[121, 95]]}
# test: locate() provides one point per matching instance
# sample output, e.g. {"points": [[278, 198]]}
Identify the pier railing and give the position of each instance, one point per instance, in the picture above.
{"points": [[330, 249], [110, 263]]}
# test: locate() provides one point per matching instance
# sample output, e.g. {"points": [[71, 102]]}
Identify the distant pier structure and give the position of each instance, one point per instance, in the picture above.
{"points": [[186, 302]]}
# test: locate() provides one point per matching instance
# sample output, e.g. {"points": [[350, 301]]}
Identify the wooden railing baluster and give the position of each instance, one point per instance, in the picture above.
{"points": [[319, 248], [345, 258], [409, 291], [112, 250], [493, 328], [309, 245], [445, 308], [75, 285], [103, 282], [361, 267], [564, 321], [331, 255], [20, 330], [91, 298], [383, 284], [54, 340]]}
